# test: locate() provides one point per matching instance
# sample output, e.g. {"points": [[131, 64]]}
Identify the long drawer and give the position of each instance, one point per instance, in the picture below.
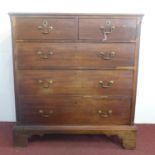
{"points": [[108, 29], [45, 28], [74, 110], [97, 82], [74, 55]]}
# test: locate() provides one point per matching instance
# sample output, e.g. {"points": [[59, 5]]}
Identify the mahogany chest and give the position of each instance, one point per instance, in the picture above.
{"points": [[75, 74]]}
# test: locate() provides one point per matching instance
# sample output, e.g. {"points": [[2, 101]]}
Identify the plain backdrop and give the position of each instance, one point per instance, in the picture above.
{"points": [[145, 107]]}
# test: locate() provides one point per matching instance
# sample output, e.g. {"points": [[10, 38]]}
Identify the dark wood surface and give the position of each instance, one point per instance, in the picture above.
{"points": [[90, 29], [74, 82], [75, 69], [125, 132], [60, 110], [74, 55], [27, 28]]}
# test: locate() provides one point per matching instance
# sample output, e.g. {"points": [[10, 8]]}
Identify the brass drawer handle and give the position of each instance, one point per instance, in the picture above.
{"points": [[107, 29], [106, 84], [107, 55], [45, 27], [45, 114], [45, 84], [104, 113], [45, 55]]}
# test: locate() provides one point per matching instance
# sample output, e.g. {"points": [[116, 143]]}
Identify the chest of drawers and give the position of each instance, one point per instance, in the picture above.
{"points": [[75, 74]]}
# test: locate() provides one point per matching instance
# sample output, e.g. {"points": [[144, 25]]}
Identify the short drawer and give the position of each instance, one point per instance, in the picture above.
{"points": [[45, 28], [107, 29], [75, 82], [74, 55], [74, 111]]}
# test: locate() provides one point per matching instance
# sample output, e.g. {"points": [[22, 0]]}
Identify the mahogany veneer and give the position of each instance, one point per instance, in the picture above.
{"points": [[75, 74]]}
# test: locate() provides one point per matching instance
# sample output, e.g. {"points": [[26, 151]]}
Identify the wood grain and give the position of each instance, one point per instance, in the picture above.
{"points": [[74, 110], [74, 55], [125, 132], [70, 91], [90, 29], [74, 82], [27, 28]]}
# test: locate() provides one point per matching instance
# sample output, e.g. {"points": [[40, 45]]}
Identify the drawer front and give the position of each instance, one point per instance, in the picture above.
{"points": [[45, 28], [71, 55], [74, 111], [107, 29], [74, 82]]}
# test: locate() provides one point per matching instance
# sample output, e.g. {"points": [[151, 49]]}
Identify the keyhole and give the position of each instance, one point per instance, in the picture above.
{"points": [[108, 22], [45, 23]]}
